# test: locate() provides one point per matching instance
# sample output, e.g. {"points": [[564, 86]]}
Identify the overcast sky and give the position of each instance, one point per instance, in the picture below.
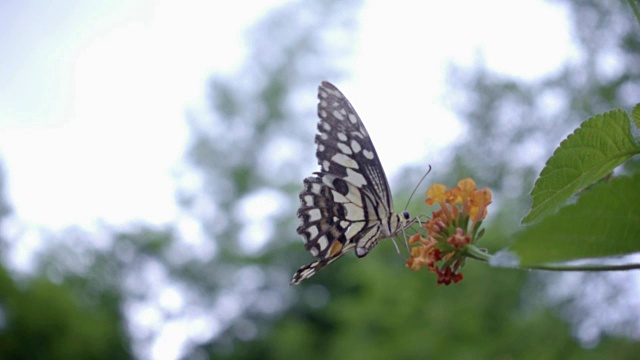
{"points": [[81, 84]]}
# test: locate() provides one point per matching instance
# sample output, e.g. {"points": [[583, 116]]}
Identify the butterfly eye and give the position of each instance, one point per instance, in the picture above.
{"points": [[406, 215]]}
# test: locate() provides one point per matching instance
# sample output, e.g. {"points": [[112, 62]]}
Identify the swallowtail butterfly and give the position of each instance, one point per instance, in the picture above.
{"points": [[347, 204]]}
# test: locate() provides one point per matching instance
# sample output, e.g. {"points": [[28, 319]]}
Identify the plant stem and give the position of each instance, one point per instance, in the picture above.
{"points": [[475, 253], [583, 267]]}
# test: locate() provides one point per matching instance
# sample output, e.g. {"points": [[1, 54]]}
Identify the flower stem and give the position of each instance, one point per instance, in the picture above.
{"points": [[475, 253]]}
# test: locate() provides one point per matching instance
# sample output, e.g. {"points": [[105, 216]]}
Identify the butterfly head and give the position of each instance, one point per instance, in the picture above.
{"points": [[406, 217], [400, 221]]}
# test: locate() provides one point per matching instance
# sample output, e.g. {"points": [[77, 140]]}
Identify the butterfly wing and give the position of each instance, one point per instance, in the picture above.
{"points": [[348, 203], [334, 220], [345, 148]]}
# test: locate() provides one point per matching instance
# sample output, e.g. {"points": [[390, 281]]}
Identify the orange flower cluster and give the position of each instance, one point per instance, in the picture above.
{"points": [[450, 230]]}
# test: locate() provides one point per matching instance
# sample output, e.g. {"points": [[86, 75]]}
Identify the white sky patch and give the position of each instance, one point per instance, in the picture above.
{"points": [[403, 50], [79, 132], [255, 211], [106, 112]]}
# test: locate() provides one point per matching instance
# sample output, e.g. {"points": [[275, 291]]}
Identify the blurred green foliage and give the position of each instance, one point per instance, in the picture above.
{"points": [[42, 320]]}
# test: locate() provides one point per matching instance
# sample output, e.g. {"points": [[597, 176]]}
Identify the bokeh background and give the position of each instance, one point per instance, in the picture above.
{"points": [[152, 152]]}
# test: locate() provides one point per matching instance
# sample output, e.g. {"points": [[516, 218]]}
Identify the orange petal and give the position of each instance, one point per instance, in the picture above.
{"points": [[436, 194]]}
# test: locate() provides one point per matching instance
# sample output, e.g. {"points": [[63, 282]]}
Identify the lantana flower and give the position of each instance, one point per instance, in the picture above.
{"points": [[451, 231]]}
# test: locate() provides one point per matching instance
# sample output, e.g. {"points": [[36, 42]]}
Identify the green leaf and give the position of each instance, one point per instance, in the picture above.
{"points": [[605, 221], [592, 151], [635, 114]]}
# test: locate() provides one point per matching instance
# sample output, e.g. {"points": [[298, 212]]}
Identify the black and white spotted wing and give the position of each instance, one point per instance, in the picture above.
{"points": [[348, 203]]}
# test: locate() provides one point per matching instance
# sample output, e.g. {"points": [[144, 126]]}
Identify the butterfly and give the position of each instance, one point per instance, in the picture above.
{"points": [[347, 204]]}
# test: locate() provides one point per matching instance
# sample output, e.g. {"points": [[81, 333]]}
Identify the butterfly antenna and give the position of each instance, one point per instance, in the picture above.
{"points": [[416, 188], [404, 234]]}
